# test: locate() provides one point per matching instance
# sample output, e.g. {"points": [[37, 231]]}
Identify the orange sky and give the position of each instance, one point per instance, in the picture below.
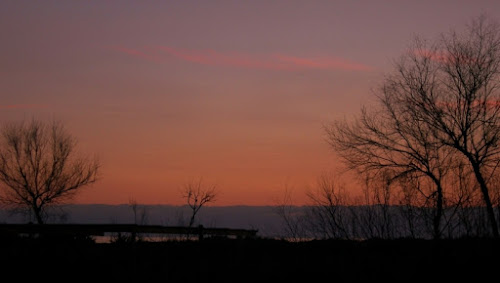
{"points": [[234, 92]]}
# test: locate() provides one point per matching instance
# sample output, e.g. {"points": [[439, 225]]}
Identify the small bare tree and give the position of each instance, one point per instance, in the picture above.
{"points": [[329, 214], [292, 217], [140, 212], [197, 194], [39, 167], [140, 217]]}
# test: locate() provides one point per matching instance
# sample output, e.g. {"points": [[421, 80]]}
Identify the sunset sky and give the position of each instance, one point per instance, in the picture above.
{"points": [[235, 92]]}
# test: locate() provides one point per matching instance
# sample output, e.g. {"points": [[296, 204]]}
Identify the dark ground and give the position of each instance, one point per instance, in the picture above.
{"points": [[251, 260]]}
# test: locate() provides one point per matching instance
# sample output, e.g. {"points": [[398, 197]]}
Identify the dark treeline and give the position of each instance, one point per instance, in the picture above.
{"points": [[385, 211], [381, 222]]}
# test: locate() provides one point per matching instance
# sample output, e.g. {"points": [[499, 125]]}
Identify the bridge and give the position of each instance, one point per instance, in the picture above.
{"points": [[84, 230]]}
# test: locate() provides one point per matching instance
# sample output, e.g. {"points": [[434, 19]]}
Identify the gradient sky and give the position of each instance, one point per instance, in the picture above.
{"points": [[235, 92]]}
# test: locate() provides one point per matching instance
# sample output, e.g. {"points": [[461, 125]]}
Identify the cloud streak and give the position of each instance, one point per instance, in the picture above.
{"points": [[444, 56], [275, 61], [322, 63]]}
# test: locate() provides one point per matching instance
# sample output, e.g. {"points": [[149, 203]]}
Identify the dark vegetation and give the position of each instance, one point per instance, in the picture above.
{"points": [[251, 260]]}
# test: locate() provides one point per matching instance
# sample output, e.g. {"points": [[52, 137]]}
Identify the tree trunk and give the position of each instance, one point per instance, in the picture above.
{"points": [[439, 208], [439, 213], [38, 214], [191, 220], [486, 197]]}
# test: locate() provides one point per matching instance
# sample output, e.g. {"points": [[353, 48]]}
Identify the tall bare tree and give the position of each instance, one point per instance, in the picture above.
{"points": [[39, 167], [389, 142], [459, 99], [197, 194], [441, 105]]}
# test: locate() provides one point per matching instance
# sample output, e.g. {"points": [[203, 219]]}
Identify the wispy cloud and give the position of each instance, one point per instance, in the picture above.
{"points": [[274, 61], [23, 106], [214, 58], [322, 63], [444, 56]]}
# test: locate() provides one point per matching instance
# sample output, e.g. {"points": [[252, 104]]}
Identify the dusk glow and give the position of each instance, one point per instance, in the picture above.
{"points": [[235, 92]]}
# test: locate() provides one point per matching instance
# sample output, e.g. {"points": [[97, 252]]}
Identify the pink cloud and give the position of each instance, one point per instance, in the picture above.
{"points": [[211, 57], [444, 56], [23, 106], [322, 63], [249, 61]]}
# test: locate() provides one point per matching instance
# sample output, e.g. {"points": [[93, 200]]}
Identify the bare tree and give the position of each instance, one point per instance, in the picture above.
{"points": [[140, 212], [39, 167], [391, 143], [197, 194], [140, 218], [329, 214], [452, 87], [378, 217], [292, 216], [443, 101]]}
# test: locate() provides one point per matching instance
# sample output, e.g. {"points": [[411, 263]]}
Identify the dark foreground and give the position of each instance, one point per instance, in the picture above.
{"points": [[251, 260]]}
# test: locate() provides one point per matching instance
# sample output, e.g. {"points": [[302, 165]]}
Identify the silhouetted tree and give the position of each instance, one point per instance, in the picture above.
{"points": [[452, 88], [39, 167], [378, 217], [390, 142], [294, 220], [140, 217], [197, 194], [140, 212], [329, 215], [441, 105]]}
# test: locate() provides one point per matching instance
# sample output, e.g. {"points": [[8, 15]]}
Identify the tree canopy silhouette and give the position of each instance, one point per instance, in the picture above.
{"points": [[439, 109], [39, 167]]}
